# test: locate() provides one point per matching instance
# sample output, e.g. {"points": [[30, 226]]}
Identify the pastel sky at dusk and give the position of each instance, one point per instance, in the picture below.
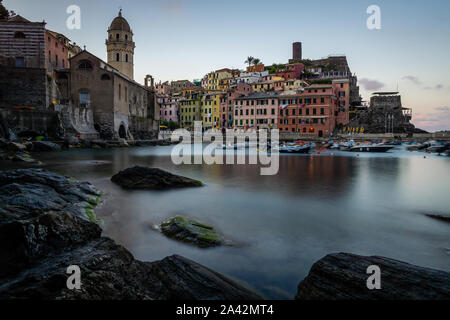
{"points": [[185, 39]]}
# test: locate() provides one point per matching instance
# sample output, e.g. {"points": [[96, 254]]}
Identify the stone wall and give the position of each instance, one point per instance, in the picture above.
{"points": [[24, 87], [142, 128], [40, 122]]}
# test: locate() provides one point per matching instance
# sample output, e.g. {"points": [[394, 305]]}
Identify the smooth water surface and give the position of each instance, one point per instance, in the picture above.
{"points": [[371, 204]]}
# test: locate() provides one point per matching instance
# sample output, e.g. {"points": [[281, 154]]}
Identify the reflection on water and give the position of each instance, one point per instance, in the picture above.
{"points": [[315, 205]]}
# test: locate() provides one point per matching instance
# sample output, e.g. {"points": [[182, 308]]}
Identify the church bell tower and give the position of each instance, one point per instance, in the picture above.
{"points": [[120, 46]]}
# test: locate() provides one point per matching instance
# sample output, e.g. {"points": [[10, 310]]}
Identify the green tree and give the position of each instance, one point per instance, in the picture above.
{"points": [[256, 61]]}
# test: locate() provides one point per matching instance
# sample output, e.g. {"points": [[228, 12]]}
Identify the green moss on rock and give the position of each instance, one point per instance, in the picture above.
{"points": [[191, 231]]}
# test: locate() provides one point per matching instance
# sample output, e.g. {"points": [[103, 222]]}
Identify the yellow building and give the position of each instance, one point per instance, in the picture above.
{"points": [[190, 107], [213, 78], [210, 109]]}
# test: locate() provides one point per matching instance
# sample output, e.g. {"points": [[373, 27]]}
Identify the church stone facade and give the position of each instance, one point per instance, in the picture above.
{"points": [[121, 107]]}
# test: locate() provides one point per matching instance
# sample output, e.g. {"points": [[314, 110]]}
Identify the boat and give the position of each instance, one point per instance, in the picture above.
{"points": [[439, 147], [370, 148], [294, 149]]}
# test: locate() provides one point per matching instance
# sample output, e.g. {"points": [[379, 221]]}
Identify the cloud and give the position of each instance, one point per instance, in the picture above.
{"points": [[413, 79], [433, 121], [369, 84], [436, 87]]}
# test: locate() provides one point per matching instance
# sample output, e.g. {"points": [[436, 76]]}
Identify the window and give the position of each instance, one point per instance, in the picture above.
{"points": [[20, 62], [19, 35], [85, 65], [126, 37], [117, 56], [105, 77], [84, 98], [117, 36], [322, 111], [126, 58], [322, 100]]}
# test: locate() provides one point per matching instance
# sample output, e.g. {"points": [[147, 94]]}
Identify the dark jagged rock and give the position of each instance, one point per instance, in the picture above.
{"points": [[45, 190], [191, 231], [40, 239], [23, 157], [342, 276], [15, 146], [183, 279], [45, 146], [151, 178]]}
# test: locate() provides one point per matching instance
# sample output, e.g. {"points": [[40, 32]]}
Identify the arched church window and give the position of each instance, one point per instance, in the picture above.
{"points": [[105, 77], [126, 37], [117, 56], [85, 65], [117, 36], [19, 35], [126, 58]]}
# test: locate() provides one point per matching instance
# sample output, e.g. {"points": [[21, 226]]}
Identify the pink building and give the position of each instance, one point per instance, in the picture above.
{"points": [[168, 108], [258, 110], [227, 102]]}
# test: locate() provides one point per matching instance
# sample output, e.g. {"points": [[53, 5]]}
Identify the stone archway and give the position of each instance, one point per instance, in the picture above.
{"points": [[122, 132]]}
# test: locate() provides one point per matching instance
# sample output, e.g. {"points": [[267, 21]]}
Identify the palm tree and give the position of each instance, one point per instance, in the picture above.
{"points": [[249, 60], [256, 61]]}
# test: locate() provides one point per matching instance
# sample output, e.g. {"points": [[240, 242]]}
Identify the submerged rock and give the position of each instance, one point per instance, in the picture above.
{"points": [[40, 237], [441, 217], [151, 178], [191, 231], [343, 276], [45, 146]]}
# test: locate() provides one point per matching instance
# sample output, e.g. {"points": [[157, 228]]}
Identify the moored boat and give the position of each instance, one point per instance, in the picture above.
{"points": [[370, 148]]}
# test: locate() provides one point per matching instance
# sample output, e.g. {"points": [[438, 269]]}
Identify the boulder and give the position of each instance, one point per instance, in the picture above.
{"points": [[191, 231], [45, 146], [41, 237], [15, 146], [343, 276], [151, 178]]}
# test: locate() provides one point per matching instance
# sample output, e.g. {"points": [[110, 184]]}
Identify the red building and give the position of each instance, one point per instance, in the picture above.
{"points": [[291, 71], [312, 112]]}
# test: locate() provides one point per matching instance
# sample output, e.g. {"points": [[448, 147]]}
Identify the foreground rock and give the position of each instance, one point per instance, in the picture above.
{"points": [[41, 236], [151, 178], [30, 189], [343, 276], [191, 231]]}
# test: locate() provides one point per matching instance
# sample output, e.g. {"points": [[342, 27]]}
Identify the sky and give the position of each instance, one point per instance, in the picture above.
{"points": [[186, 39]]}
